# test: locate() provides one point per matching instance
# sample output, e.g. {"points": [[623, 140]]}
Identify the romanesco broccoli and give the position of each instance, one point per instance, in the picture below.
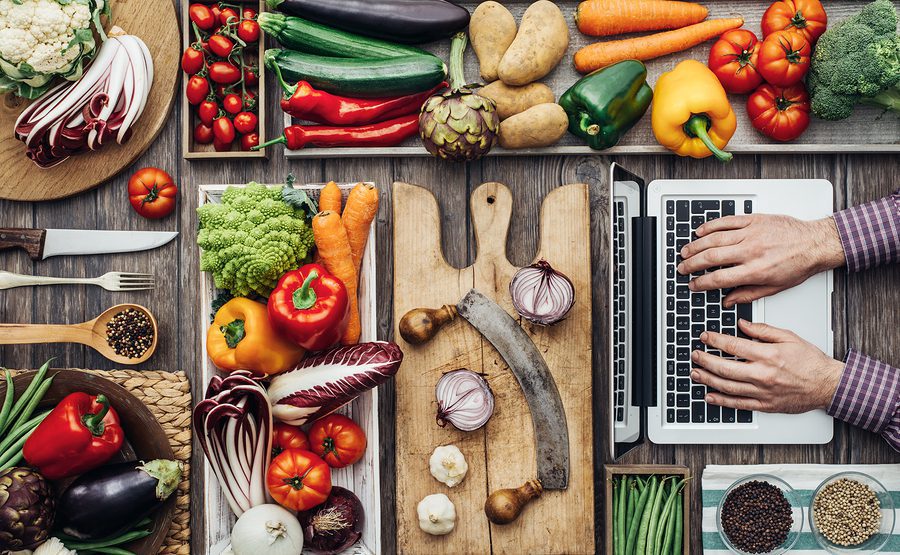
{"points": [[252, 238]]}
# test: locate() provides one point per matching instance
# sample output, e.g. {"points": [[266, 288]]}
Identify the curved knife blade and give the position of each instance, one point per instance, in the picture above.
{"points": [[548, 417]]}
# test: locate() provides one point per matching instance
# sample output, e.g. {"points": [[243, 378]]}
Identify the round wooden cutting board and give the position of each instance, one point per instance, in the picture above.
{"points": [[156, 23]]}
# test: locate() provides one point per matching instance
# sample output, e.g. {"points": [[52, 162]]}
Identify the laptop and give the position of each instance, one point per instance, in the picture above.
{"points": [[656, 320]]}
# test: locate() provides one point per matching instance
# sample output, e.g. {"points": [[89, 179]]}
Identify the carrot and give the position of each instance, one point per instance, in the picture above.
{"points": [[602, 54], [362, 205], [330, 198], [600, 18], [334, 247]]}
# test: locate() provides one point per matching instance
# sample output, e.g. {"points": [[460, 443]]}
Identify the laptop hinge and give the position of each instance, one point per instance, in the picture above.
{"points": [[644, 311]]}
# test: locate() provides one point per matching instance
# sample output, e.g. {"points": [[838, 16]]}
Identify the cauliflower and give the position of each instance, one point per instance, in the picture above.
{"points": [[42, 39], [252, 238]]}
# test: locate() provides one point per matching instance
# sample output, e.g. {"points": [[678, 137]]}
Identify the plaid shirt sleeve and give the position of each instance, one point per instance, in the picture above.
{"points": [[870, 233], [868, 396]]}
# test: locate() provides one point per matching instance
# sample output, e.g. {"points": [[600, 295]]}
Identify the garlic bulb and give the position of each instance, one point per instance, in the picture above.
{"points": [[448, 465], [437, 515]]}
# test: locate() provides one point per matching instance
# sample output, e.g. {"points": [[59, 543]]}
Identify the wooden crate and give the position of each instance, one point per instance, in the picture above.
{"points": [[190, 149], [866, 131], [362, 478], [611, 471]]}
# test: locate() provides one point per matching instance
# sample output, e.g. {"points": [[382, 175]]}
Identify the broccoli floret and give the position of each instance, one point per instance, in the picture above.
{"points": [[857, 61], [251, 239]]}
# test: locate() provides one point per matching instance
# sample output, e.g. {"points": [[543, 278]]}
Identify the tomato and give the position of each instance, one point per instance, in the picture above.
{"points": [[202, 16], [806, 17], [784, 58], [249, 141], [248, 13], [216, 11], [207, 111], [733, 59], [779, 113], [245, 122], [203, 134], [249, 100], [197, 89], [298, 479], [338, 440], [226, 14], [248, 31], [152, 193], [193, 60], [221, 91], [221, 46], [223, 129], [250, 76], [221, 146], [224, 72], [232, 103], [285, 436]]}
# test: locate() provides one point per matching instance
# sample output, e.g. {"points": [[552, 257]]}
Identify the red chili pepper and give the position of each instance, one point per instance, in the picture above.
{"points": [[309, 306], [81, 433], [386, 133]]}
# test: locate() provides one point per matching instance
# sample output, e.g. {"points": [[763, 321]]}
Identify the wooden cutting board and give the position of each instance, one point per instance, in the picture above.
{"points": [[156, 23], [502, 454]]}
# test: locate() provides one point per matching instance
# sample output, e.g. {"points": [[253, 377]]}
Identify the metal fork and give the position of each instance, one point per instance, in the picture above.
{"points": [[112, 281]]}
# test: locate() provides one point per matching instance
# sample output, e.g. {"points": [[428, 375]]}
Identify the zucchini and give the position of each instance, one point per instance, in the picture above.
{"points": [[359, 77], [302, 35]]}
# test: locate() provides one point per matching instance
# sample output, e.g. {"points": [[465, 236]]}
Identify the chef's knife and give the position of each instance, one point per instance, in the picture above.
{"points": [[41, 244]]}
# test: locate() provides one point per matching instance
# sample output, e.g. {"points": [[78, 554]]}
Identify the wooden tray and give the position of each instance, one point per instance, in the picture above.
{"points": [[865, 131], [192, 150], [362, 478], [501, 454], [21, 179]]}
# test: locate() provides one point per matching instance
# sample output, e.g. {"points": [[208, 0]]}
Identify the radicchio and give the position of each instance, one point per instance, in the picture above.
{"points": [[323, 383]]}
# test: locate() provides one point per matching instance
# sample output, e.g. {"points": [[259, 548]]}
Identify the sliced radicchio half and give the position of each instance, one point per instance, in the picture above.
{"points": [[323, 383]]}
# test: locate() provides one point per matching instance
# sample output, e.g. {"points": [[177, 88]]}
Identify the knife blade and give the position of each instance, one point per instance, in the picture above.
{"points": [[548, 417], [41, 244]]}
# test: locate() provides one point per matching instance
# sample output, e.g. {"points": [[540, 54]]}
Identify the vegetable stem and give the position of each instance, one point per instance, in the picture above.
{"points": [[94, 422], [698, 126], [457, 51], [305, 297]]}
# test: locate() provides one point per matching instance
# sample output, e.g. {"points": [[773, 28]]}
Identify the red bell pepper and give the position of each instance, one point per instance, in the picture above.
{"points": [[387, 133], [310, 307], [81, 433], [304, 102]]}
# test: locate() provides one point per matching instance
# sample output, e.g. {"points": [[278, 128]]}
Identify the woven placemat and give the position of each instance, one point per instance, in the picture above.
{"points": [[168, 396]]}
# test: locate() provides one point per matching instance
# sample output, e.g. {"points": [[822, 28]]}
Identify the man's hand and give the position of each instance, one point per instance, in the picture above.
{"points": [[782, 373], [760, 254]]}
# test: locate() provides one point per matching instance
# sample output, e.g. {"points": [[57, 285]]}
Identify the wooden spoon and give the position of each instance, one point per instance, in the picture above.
{"points": [[92, 334]]}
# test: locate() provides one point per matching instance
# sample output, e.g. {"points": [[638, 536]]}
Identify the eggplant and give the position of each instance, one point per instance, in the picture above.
{"points": [[403, 21], [112, 499]]}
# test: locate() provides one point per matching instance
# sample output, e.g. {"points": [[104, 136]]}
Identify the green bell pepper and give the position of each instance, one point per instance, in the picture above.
{"points": [[604, 105]]}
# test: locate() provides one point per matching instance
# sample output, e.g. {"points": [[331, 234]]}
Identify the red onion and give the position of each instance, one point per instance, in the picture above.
{"points": [[335, 525], [464, 400], [542, 295]]}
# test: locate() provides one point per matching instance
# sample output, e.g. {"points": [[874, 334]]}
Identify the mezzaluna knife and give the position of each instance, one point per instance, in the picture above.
{"points": [[41, 244]]}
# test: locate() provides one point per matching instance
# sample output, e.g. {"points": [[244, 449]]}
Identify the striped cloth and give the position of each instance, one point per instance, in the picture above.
{"points": [[804, 478]]}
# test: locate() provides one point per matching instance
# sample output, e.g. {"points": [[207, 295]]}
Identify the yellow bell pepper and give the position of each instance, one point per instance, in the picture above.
{"points": [[691, 113], [241, 338]]}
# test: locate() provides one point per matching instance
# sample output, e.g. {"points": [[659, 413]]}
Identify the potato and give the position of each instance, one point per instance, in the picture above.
{"points": [[538, 126], [491, 30], [513, 100], [540, 44]]}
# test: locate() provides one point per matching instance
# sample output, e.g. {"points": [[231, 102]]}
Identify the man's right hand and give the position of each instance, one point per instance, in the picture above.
{"points": [[760, 254]]}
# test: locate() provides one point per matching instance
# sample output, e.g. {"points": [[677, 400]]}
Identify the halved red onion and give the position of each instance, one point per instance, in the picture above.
{"points": [[464, 400], [542, 295]]}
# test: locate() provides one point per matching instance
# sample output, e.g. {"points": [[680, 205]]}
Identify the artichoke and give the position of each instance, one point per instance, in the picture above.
{"points": [[27, 509], [459, 125]]}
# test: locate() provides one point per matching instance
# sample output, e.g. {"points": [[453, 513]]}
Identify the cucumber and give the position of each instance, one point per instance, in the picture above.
{"points": [[302, 35], [359, 77]]}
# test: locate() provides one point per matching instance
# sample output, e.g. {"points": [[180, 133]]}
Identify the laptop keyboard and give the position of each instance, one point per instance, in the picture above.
{"points": [[619, 310], [688, 314]]}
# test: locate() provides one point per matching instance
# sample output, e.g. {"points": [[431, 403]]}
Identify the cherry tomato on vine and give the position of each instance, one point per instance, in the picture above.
{"points": [[221, 91], [203, 134], [224, 72], [245, 122], [152, 193], [806, 17], [249, 100], [338, 440], [202, 16], [193, 60], [779, 113], [250, 76], [223, 130], [207, 111], [221, 146], [221, 46], [733, 58], [248, 13], [197, 89], [248, 31], [232, 103], [249, 141], [226, 14], [784, 58]]}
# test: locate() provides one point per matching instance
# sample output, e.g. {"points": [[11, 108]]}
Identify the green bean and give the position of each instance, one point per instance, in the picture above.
{"points": [[34, 402], [8, 401], [17, 432], [616, 493], [670, 531], [29, 392], [640, 544], [13, 452], [654, 518], [118, 540], [624, 484], [678, 540], [636, 517], [111, 551], [664, 516]]}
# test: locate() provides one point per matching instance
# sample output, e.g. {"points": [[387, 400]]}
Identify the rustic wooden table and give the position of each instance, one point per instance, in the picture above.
{"points": [[866, 306]]}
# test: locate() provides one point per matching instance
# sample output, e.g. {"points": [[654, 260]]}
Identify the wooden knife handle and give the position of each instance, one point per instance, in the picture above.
{"points": [[31, 240], [420, 325]]}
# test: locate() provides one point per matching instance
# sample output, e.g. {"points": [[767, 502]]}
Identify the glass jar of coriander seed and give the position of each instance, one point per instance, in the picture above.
{"points": [[852, 513]]}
